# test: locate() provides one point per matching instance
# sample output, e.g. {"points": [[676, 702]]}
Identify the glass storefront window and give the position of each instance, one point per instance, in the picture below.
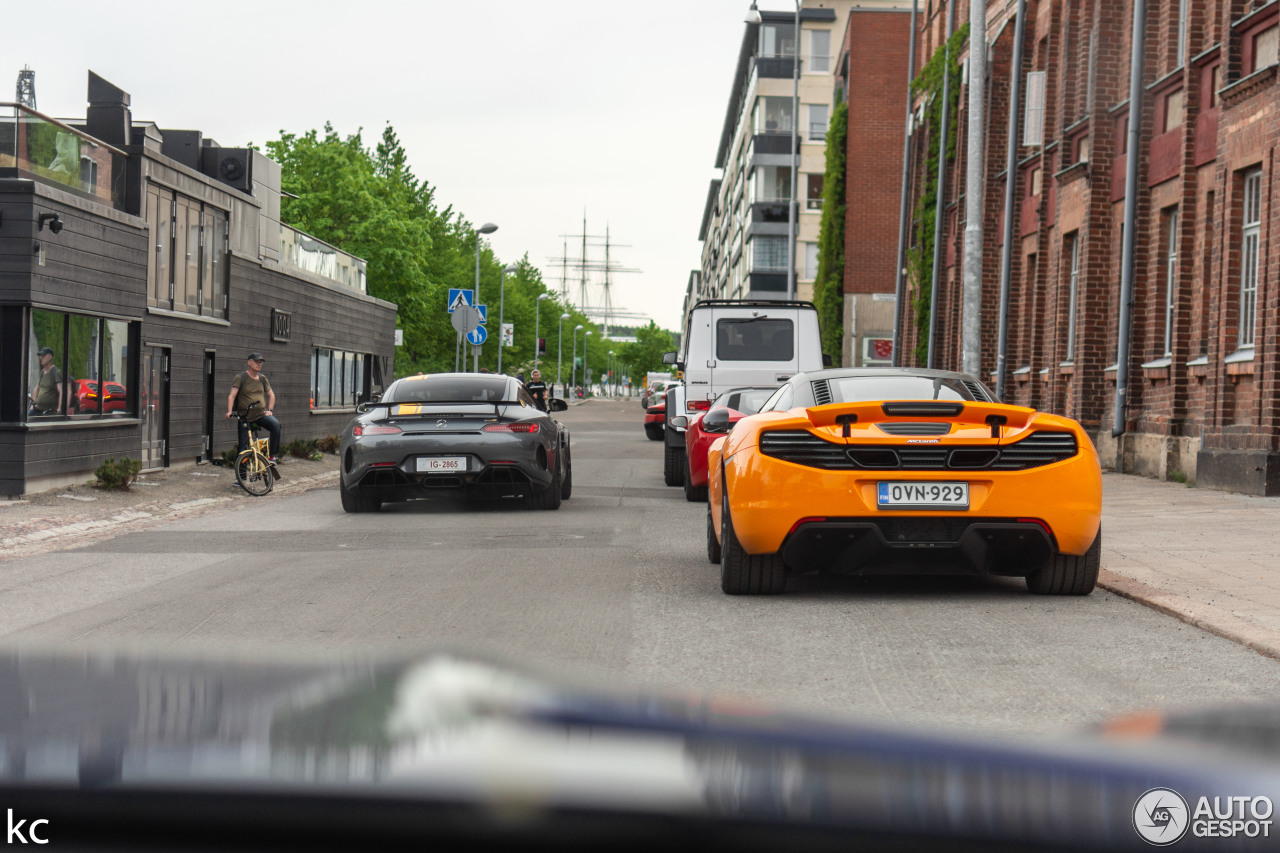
{"points": [[78, 366]]}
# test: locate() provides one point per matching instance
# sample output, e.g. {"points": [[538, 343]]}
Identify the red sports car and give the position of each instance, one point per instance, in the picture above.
{"points": [[655, 420], [84, 396], [705, 427]]}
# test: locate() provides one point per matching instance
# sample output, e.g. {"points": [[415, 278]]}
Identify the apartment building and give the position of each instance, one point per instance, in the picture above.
{"points": [[1198, 397], [745, 219], [139, 266]]}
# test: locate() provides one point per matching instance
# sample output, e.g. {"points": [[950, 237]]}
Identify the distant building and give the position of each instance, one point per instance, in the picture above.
{"points": [[149, 263]]}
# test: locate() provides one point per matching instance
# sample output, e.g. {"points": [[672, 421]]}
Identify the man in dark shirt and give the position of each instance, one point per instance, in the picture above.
{"points": [[46, 397], [537, 389], [253, 387]]}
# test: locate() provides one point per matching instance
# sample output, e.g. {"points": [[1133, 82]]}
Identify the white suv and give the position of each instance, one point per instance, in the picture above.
{"points": [[731, 343]]}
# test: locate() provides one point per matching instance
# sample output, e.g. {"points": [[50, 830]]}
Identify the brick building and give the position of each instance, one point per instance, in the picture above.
{"points": [[1202, 399]]}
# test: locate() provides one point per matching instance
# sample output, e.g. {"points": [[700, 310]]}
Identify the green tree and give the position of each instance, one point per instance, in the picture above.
{"points": [[828, 290], [646, 353]]}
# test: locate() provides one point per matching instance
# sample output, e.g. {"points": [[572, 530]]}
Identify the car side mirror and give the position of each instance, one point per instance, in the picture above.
{"points": [[680, 422], [716, 421], [555, 404], [669, 357], [826, 359]]}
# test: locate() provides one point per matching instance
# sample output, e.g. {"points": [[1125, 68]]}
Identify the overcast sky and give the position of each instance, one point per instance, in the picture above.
{"points": [[524, 114]]}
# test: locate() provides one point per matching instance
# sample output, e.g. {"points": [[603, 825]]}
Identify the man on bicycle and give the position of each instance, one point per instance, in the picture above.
{"points": [[248, 388]]}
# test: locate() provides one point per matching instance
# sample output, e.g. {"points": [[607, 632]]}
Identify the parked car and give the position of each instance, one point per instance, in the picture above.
{"points": [[704, 428], [734, 343], [896, 470], [476, 433]]}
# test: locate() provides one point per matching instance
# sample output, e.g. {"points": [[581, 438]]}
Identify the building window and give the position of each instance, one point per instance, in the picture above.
{"points": [[773, 114], [770, 184], [187, 265], [813, 184], [1182, 32], [1266, 48], [819, 51], [1170, 279], [776, 40], [1251, 222], [768, 254], [817, 122], [1174, 110], [1073, 278], [1033, 128], [337, 378], [810, 261], [78, 367]]}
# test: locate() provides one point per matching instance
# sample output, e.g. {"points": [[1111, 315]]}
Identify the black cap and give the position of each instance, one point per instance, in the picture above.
{"points": [[46, 351], [256, 356]]}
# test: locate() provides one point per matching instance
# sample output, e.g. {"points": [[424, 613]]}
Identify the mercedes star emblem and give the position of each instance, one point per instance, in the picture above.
{"points": [[442, 423]]}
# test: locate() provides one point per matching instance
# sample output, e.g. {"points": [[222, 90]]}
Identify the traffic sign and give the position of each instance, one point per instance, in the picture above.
{"points": [[458, 297], [477, 336], [465, 319], [508, 334], [484, 313]]}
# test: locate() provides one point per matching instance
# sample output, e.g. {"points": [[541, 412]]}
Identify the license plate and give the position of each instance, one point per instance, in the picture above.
{"points": [[441, 464], [922, 495]]}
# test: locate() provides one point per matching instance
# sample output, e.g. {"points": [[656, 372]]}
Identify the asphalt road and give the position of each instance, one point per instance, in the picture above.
{"points": [[616, 585]]}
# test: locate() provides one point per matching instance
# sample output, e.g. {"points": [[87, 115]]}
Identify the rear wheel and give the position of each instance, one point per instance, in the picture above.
{"points": [[253, 473], [742, 573], [548, 497], [354, 501], [692, 493], [673, 465], [713, 544], [1067, 574]]}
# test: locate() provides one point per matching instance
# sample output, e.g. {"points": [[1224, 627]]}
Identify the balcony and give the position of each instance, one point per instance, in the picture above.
{"points": [[304, 252], [43, 149]]}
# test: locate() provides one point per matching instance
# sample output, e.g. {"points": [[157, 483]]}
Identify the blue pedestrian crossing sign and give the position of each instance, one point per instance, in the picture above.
{"points": [[477, 336], [460, 297], [484, 313]]}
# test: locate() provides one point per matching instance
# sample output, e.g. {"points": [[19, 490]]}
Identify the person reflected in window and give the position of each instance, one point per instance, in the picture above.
{"points": [[247, 389], [46, 397]]}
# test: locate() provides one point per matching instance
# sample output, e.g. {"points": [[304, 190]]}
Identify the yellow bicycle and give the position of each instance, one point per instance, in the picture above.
{"points": [[254, 470]]}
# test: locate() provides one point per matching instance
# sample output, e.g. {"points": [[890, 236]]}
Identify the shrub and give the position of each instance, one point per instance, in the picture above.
{"points": [[302, 448], [328, 444], [117, 473], [229, 456]]}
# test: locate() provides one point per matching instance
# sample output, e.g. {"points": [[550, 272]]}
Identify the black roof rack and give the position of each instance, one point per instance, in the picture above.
{"points": [[768, 303]]}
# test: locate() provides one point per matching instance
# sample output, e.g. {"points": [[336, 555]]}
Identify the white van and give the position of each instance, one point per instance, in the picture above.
{"points": [[731, 343]]}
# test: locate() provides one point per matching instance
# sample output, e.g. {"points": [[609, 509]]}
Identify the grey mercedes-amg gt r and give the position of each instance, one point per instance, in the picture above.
{"points": [[473, 433]]}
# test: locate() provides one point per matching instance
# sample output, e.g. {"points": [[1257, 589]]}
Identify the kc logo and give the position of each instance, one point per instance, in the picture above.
{"points": [[15, 831]]}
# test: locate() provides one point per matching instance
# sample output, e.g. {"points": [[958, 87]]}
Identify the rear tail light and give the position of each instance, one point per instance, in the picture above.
{"points": [[375, 429], [526, 428], [698, 405]]}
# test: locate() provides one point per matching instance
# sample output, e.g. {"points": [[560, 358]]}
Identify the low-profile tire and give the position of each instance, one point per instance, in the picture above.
{"points": [[713, 544], [1067, 574], [673, 465], [354, 501], [742, 573], [548, 497], [692, 493], [566, 487], [654, 431]]}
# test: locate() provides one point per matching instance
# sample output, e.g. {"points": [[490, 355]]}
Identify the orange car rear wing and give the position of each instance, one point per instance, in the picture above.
{"points": [[994, 415]]}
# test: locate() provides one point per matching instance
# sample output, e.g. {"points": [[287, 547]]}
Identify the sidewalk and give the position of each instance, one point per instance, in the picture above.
{"points": [[1208, 558]]}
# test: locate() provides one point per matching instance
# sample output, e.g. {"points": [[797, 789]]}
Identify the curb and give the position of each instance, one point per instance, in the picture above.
{"points": [[1206, 617]]}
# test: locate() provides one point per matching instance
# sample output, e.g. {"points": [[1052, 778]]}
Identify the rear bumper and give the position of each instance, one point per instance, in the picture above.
{"points": [[497, 463], [889, 545]]}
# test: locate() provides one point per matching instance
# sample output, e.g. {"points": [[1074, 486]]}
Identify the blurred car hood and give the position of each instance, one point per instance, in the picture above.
{"points": [[449, 727]]}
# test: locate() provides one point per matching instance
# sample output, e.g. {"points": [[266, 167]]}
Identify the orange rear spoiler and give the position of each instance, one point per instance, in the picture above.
{"points": [[995, 415]]}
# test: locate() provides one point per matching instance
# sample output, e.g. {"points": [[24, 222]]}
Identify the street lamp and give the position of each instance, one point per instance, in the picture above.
{"points": [[537, 310], [586, 377], [487, 228], [609, 376], [574, 370], [754, 17], [560, 351], [509, 269]]}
